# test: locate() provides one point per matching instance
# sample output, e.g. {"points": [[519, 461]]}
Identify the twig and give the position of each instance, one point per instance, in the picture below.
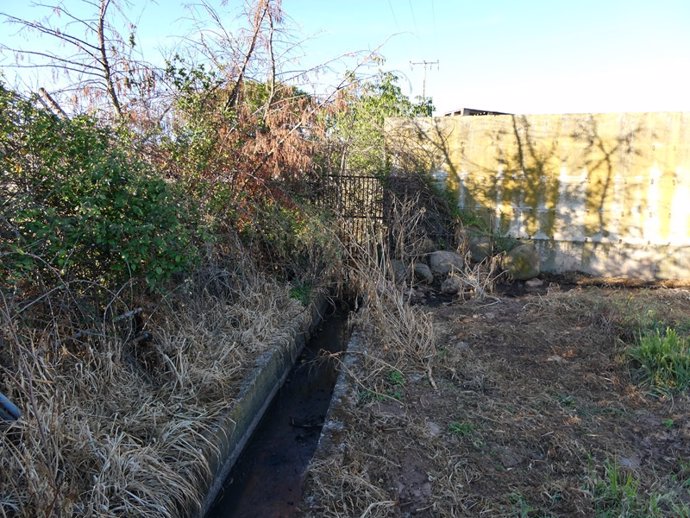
{"points": [[387, 503], [431, 378]]}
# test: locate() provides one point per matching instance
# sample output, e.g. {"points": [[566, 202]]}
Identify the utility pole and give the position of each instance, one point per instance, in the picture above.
{"points": [[427, 65]]}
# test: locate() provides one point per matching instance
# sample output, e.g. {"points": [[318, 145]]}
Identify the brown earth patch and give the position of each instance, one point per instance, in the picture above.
{"points": [[529, 407]]}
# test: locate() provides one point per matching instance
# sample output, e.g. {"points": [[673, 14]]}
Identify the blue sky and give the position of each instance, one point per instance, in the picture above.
{"points": [[529, 56]]}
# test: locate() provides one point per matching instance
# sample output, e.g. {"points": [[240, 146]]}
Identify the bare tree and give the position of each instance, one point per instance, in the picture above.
{"points": [[91, 54]]}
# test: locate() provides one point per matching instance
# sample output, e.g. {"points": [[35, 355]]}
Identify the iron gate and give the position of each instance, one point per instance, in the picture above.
{"points": [[357, 200]]}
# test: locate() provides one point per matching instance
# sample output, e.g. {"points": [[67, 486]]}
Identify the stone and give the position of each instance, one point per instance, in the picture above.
{"points": [[427, 245], [452, 285], [481, 248], [522, 262], [631, 463], [399, 271], [462, 346], [433, 429], [442, 262], [422, 273], [534, 283]]}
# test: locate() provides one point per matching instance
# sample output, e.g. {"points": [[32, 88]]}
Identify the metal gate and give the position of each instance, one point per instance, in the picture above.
{"points": [[357, 200]]}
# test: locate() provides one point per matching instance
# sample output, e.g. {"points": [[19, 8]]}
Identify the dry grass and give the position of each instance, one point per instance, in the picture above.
{"points": [[116, 427]]}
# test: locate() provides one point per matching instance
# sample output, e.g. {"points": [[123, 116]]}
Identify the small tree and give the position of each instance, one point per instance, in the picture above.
{"points": [[358, 127]]}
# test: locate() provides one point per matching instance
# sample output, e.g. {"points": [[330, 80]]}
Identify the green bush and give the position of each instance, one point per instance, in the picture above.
{"points": [[664, 358], [79, 206]]}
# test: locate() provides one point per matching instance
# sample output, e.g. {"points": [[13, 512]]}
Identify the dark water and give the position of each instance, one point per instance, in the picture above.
{"points": [[267, 479]]}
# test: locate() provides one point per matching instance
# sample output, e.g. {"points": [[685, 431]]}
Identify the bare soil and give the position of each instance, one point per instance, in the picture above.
{"points": [[529, 407]]}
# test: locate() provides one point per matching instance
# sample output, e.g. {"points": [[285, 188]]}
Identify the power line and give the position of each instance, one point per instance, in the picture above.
{"points": [[427, 66]]}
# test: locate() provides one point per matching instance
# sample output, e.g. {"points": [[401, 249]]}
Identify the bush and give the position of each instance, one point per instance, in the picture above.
{"points": [[79, 207]]}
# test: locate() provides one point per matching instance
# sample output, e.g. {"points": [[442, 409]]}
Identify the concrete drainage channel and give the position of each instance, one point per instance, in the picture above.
{"points": [[266, 441]]}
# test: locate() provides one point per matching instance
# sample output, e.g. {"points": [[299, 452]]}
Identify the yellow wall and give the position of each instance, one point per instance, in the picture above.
{"points": [[613, 181]]}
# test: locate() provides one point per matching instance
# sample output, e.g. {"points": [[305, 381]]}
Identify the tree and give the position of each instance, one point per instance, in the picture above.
{"points": [[358, 127], [93, 57]]}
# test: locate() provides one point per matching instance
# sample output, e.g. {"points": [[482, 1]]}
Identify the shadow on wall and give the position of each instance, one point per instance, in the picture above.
{"points": [[607, 194]]}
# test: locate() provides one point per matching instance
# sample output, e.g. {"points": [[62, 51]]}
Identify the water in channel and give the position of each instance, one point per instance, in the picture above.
{"points": [[267, 479]]}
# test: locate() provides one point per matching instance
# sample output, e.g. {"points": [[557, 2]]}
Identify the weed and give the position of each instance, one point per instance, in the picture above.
{"points": [[461, 429], [565, 400], [617, 493], [668, 423], [301, 292], [664, 359], [682, 477], [396, 394], [396, 378], [521, 506], [472, 219]]}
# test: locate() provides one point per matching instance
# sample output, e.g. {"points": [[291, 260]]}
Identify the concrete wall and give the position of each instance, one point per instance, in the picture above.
{"points": [[606, 194]]}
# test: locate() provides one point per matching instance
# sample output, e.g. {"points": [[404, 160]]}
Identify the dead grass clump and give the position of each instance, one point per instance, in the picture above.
{"points": [[113, 426], [401, 333], [354, 494]]}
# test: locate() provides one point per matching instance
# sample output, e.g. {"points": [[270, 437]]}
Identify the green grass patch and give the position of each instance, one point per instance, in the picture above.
{"points": [[396, 378], [461, 429], [618, 494], [664, 359]]}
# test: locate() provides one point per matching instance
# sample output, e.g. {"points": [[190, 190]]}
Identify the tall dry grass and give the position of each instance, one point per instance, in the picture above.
{"points": [[114, 425]]}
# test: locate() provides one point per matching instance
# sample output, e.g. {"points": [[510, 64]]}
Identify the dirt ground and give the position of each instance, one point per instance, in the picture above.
{"points": [[529, 407]]}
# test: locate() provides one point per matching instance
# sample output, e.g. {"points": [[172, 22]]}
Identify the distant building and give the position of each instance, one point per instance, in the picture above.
{"points": [[466, 112]]}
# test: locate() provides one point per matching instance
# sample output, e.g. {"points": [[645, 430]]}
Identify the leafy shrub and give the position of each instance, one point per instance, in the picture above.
{"points": [[78, 205], [664, 358]]}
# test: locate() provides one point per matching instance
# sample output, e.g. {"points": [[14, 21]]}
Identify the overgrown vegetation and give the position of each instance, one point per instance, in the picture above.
{"points": [[79, 207], [158, 232]]}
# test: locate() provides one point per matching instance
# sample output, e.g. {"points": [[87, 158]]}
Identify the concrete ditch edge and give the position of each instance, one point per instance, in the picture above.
{"points": [[344, 395], [234, 430]]}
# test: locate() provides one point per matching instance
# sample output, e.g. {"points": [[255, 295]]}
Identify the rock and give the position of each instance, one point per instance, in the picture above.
{"points": [[433, 429], [632, 462], [462, 346], [451, 285], [427, 245], [399, 271], [422, 273], [522, 262], [481, 248], [534, 283], [509, 458], [442, 262]]}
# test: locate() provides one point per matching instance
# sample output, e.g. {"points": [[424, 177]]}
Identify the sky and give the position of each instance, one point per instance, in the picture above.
{"points": [[517, 56]]}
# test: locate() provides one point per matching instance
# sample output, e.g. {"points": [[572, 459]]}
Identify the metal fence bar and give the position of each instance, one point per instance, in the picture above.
{"points": [[357, 200]]}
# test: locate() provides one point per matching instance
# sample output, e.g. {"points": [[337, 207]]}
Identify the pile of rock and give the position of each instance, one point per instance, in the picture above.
{"points": [[444, 269]]}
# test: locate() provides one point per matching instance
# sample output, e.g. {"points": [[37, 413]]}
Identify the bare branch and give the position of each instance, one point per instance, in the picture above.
{"points": [[52, 65], [104, 58], [259, 16], [67, 38], [52, 57], [64, 11], [51, 103]]}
